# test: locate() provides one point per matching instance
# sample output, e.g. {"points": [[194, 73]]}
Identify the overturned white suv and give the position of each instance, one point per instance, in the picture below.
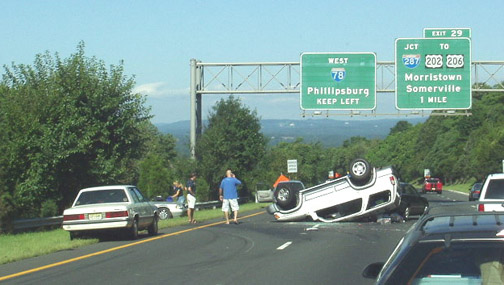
{"points": [[366, 191]]}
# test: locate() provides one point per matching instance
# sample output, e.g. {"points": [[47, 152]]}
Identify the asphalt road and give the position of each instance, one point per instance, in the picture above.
{"points": [[257, 251]]}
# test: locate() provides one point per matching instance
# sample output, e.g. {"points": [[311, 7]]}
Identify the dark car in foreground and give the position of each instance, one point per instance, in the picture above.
{"points": [[412, 203], [451, 244]]}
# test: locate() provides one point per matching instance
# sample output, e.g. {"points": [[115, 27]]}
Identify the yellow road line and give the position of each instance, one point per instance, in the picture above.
{"points": [[3, 278]]}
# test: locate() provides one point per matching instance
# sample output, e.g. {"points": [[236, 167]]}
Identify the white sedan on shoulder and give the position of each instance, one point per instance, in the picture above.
{"points": [[105, 208]]}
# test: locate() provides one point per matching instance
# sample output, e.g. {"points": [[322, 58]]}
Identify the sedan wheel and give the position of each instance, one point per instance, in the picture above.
{"points": [[153, 228], [165, 213], [133, 231]]}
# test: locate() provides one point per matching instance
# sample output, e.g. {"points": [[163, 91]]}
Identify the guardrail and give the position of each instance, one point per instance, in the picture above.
{"points": [[29, 224]]}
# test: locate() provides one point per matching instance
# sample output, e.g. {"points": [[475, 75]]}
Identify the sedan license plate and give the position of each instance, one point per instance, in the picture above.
{"points": [[97, 216]]}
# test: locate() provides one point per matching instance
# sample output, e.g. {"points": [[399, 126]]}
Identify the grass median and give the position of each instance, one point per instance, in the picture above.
{"points": [[14, 247]]}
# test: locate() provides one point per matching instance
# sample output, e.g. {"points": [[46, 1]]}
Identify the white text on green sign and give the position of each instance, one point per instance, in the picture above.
{"points": [[433, 73], [338, 81], [447, 32]]}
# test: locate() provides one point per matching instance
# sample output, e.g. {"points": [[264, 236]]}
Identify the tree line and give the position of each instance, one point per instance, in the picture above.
{"points": [[67, 124]]}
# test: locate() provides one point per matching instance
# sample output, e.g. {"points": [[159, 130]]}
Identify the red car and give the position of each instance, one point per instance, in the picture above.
{"points": [[433, 185]]}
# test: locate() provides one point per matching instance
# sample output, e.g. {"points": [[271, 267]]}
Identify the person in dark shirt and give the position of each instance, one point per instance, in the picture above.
{"points": [[178, 188], [191, 197]]}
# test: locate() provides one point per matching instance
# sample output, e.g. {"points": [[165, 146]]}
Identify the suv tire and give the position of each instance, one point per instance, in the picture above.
{"points": [[285, 197], [360, 171]]}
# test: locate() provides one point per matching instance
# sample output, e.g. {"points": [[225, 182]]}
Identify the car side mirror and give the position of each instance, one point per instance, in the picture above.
{"points": [[372, 270]]}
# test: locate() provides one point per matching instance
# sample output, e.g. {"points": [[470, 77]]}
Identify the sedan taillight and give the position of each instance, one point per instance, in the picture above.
{"points": [[481, 207], [116, 214], [73, 217]]}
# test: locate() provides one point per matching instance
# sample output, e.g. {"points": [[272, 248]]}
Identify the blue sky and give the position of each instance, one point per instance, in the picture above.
{"points": [[157, 39]]}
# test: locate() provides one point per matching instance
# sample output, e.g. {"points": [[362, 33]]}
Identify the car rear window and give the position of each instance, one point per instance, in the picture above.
{"points": [[477, 186], [101, 196], [495, 189]]}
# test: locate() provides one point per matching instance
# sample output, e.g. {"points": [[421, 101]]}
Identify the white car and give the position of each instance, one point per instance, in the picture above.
{"points": [[263, 194], [492, 191], [168, 210], [366, 192], [119, 208]]}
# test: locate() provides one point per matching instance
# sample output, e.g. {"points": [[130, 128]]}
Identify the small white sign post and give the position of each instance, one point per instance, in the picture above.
{"points": [[292, 166]]}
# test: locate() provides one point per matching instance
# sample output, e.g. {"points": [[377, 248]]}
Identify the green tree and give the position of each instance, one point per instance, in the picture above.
{"points": [[157, 168], [312, 160], [232, 140], [401, 126], [66, 124]]}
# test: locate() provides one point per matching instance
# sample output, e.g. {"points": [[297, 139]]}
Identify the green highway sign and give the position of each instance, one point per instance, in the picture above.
{"points": [[338, 81], [433, 73], [447, 33]]}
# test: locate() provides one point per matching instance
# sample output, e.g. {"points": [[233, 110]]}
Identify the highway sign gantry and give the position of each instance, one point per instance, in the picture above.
{"points": [[433, 73], [338, 81]]}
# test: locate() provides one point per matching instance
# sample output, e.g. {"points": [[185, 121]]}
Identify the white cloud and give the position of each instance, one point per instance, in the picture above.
{"points": [[159, 90]]}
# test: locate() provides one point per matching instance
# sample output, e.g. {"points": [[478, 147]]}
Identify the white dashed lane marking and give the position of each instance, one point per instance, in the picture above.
{"points": [[285, 245]]}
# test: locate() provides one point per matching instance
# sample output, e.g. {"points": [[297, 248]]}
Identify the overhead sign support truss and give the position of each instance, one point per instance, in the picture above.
{"points": [[284, 78]]}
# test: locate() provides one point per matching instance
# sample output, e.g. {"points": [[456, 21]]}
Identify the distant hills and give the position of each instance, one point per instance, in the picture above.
{"points": [[330, 132]]}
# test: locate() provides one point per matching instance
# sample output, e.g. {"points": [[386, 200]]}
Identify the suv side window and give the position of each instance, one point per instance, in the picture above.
{"points": [[495, 189]]}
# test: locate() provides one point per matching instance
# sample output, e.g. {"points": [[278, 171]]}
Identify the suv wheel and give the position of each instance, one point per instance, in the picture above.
{"points": [[360, 171], [285, 197]]}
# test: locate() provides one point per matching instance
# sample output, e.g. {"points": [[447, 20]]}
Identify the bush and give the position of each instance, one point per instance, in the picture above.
{"points": [[48, 208]]}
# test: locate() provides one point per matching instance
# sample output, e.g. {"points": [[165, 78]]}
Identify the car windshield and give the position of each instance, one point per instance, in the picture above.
{"points": [[101, 196], [495, 189], [460, 263], [433, 180]]}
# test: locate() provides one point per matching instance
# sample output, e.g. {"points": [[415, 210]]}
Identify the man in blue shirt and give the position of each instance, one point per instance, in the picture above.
{"points": [[229, 196]]}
